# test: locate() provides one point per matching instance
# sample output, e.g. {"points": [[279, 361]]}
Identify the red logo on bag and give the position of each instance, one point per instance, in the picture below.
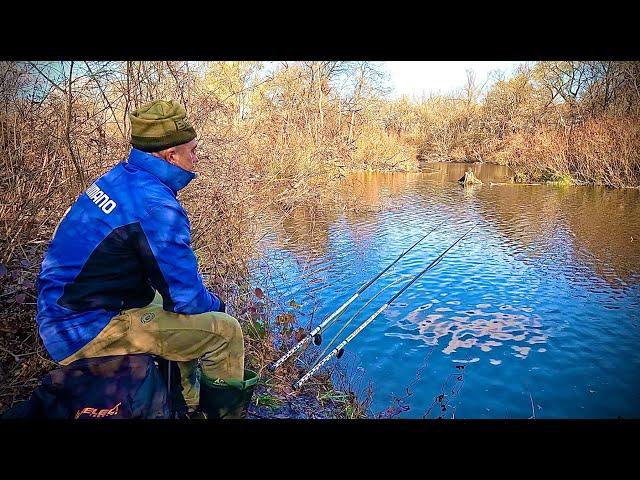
{"points": [[95, 413]]}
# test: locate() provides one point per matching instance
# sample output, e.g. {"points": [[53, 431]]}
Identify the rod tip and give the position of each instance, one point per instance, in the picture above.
{"points": [[295, 385], [271, 367]]}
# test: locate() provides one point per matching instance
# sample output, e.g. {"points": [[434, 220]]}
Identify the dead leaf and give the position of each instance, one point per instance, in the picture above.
{"points": [[20, 298], [300, 334], [259, 293], [285, 318]]}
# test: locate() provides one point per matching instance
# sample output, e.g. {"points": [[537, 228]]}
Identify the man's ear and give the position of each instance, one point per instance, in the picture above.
{"points": [[169, 155]]}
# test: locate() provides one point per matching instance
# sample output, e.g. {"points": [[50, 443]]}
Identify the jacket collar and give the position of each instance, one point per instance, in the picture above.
{"points": [[172, 176]]}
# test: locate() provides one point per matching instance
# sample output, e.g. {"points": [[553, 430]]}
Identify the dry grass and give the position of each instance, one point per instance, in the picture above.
{"points": [[606, 151], [602, 151]]}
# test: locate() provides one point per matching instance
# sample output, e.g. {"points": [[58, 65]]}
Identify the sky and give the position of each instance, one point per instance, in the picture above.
{"points": [[415, 78]]}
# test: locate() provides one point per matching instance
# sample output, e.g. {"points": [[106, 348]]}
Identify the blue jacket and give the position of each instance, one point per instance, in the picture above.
{"points": [[124, 237]]}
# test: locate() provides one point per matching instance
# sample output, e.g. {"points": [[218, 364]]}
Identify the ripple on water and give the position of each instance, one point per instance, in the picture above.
{"points": [[547, 287]]}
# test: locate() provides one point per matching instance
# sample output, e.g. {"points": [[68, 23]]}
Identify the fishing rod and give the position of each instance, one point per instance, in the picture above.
{"points": [[339, 350], [348, 322], [316, 333]]}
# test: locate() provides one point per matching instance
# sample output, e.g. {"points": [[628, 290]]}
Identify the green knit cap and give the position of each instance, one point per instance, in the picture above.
{"points": [[160, 124]]}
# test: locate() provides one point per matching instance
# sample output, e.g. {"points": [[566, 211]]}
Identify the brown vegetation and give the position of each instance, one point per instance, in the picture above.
{"points": [[555, 121]]}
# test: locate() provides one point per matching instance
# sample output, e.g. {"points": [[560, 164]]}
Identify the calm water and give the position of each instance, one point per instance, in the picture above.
{"points": [[536, 312]]}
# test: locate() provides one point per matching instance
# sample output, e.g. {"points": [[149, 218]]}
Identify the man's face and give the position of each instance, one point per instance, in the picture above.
{"points": [[183, 156]]}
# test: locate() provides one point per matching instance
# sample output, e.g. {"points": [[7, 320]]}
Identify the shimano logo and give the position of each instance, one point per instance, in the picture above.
{"points": [[101, 199]]}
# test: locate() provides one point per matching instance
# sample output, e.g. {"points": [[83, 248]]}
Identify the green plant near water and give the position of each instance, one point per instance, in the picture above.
{"points": [[547, 175], [352, 411], [556, 178], [520, 177], [267, 400], [347, 402]]}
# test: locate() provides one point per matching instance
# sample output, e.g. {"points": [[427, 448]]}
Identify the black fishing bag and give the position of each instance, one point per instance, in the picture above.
{"points": [[113, 387]]}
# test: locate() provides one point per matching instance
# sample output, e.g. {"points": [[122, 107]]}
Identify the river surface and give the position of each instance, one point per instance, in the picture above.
{"points": [[536, 313]]}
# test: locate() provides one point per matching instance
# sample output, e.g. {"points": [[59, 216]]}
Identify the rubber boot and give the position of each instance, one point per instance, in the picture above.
{"points": [[227, 399]]}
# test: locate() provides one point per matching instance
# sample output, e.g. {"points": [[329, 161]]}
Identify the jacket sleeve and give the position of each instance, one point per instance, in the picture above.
{"points": [[171, 264]]}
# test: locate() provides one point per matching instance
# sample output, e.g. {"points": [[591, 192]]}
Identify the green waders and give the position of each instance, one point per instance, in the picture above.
{"points": [[227, 399]]}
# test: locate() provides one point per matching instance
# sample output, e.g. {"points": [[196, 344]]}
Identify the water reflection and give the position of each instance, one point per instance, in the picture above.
{"points": [[545, 293], [600, 226], [473, 328]]}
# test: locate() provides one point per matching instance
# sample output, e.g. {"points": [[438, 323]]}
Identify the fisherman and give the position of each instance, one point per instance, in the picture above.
{"points": [[120, 276]]}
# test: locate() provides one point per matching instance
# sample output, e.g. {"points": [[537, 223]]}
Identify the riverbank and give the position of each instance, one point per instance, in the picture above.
{"points": [[24, 360], [599, 151], [224, 241], [222, 204], [527, 175]]}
